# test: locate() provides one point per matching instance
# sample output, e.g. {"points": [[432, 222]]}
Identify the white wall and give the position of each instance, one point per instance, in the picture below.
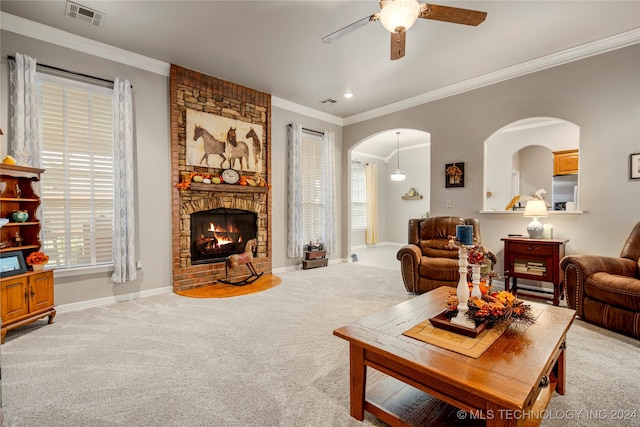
{"points": [[416, 164], [599, 94]]}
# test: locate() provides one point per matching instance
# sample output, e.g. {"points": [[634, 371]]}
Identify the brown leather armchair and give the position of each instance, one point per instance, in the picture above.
{"points": [[605, 290], [426, 261]]}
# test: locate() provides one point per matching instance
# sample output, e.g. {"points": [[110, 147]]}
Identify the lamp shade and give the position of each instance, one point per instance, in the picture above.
{"points": [[398, 176], [399, 14], [535, 208]]}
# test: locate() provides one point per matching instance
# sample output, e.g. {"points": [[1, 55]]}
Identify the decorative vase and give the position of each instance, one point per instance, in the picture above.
{"points": [[38, 267], [20, 216]]}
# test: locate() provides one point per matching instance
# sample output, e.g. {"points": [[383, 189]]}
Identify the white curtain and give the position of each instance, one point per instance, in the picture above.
{"points": [[25, 111], [295, 241], [329, 176], [371, 185], [124, 250]]}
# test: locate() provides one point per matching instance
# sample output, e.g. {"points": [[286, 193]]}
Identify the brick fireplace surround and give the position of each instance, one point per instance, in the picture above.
{"points": [[192, 90]]}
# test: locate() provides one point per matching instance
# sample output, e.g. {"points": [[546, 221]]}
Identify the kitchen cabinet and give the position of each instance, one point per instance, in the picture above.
{"points": [[565, 162]]}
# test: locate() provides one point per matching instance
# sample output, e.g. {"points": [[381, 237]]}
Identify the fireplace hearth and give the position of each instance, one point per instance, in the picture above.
{"points": [[218, 233]]}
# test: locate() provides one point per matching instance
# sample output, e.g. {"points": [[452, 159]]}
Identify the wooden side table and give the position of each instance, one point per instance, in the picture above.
{"points": [[534, 259]]}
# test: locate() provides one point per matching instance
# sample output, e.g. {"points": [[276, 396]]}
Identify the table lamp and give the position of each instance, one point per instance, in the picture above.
{"points": [[534, 209]]}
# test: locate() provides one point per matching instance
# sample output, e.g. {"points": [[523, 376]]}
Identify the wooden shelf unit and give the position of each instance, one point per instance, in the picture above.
{"points": [[27, 297]]}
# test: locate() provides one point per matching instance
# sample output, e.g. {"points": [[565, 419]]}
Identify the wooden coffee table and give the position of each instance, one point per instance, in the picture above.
{"points": [[428, 385]]}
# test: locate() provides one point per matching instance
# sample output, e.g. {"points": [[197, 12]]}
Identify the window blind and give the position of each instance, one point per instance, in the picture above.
{"points": [[312, 188], [77, 186], [358, 197]]}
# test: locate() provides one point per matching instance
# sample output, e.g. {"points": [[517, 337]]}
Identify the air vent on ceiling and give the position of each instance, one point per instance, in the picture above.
{"points": [[83, 13], [328, 101]]}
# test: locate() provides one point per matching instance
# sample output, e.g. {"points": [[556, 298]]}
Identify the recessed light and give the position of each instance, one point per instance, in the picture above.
{"points": [[348, 95]]}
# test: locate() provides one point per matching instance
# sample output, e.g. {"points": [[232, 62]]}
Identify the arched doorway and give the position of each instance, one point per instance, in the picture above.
{"points": [[384, 152]]}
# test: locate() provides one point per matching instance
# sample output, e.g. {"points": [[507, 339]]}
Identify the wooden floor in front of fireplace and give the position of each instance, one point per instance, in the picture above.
{"points": [[223, 290]]}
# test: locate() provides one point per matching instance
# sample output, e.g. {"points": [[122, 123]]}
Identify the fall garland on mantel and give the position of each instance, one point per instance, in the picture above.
{"points": [[212, 179]]}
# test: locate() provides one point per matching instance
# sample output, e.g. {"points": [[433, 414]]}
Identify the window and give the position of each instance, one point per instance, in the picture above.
{"points": [[312, 188], [358, 197], [77, 186]]}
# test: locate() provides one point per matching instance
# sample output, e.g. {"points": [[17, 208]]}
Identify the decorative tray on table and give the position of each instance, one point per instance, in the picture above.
{"points": [[443, 322]]}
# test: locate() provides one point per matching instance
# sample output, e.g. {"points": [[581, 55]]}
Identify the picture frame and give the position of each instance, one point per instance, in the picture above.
{"points": [[12, 263], [209, 143], [454, 175], [634, 166]]}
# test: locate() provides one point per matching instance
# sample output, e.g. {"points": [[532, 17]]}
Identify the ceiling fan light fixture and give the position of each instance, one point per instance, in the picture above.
{"points": [[399, 15]]}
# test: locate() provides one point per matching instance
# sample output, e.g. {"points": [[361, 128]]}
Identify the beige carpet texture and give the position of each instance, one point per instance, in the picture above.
{"points": [[265, 359]]}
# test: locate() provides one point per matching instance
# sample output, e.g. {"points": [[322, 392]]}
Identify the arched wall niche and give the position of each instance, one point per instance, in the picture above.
{"points": [[518, 160]]}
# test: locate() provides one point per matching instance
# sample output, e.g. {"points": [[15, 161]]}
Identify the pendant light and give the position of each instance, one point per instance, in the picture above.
{"points": [[397, 175]]}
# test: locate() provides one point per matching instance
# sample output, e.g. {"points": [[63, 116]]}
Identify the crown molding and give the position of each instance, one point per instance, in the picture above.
{"points": [[584, 51], [25, 27], [307, 111]]}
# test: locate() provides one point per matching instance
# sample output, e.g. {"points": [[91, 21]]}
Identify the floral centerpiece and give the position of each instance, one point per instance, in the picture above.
{"points": [[493, 308], [37, 260]]}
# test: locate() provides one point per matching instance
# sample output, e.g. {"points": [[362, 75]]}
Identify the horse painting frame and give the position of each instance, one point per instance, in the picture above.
{"points": [[219, 142]]}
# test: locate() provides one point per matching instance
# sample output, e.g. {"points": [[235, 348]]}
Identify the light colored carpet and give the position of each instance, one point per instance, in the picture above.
{"points": [[266, 359]]}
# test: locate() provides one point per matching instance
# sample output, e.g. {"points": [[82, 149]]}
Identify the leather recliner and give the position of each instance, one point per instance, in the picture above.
{"points": [[605, 290], [426, 261]]}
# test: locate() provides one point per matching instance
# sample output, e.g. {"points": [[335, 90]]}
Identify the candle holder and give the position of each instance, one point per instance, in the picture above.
{"points": [[475, 279], [462, 291]]}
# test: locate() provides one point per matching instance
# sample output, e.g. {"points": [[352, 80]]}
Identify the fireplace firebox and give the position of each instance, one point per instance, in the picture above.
{"points": [[218, 233]]}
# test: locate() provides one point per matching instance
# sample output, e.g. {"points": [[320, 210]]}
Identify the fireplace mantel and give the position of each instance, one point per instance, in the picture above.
{"points": [[228, 188]]}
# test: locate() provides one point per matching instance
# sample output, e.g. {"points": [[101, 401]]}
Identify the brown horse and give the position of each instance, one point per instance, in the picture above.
{"points": [[211, 145], [257, 148], [236, 150]]}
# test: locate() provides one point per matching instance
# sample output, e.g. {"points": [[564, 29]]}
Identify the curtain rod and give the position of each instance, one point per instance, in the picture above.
{"points": [[310, 130], [75, 73]]}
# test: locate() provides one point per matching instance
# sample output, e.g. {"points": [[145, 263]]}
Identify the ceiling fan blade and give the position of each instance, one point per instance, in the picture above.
{"points": [[398, 40], [349, 28], [452, 14]]}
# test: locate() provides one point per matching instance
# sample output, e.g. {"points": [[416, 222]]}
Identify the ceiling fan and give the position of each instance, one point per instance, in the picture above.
{"points": [[397, 16]]}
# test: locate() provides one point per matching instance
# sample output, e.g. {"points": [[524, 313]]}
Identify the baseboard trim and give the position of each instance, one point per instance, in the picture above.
{"points": [[113, 299]]}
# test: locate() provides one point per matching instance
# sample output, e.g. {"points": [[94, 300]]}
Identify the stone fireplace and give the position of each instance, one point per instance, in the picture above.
{"points": [[213, 221]]}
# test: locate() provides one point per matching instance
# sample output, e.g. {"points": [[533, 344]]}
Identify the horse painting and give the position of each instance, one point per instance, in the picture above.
{"points": [[257, 148], [211, 145], [237, 150]]}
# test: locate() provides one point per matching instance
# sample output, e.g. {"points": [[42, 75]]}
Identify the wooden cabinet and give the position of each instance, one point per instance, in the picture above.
{"points": [[565, 162], [534, 259], [25, 298]]}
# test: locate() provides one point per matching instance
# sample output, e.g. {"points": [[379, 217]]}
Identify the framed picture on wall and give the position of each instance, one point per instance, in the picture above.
{"points": [[634, 166], [454, 175]]}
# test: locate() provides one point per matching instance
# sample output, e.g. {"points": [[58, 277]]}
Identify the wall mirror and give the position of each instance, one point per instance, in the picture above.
{"points": [[528, 155]]}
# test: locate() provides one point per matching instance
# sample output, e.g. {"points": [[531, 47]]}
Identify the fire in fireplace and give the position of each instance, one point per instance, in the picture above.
{"points": [[218, 233]]}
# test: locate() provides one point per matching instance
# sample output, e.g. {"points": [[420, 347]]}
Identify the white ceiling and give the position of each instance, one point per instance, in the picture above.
{"points": [[275, 47]]}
